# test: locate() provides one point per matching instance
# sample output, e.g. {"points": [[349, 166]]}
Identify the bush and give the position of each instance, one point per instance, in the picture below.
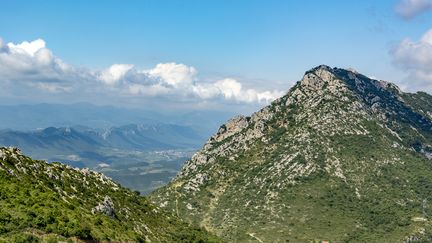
{"points": [[24, 238]]}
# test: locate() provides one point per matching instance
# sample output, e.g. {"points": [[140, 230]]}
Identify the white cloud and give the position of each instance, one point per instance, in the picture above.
{"points": [[115, 73], [411, 54], [29, 48], [33, 65], [231, 89], [32, 61], [427, 37], [415, 57], [172, 73], [174, 79], [206, 91], [411, 8], [180, 80]]}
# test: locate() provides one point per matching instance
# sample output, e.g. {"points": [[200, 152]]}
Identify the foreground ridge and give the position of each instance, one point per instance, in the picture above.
{"points": [[41, 201], [340, 157]]}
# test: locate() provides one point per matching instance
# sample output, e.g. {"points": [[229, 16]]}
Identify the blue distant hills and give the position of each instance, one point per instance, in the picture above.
{"points": [[141, 149]]}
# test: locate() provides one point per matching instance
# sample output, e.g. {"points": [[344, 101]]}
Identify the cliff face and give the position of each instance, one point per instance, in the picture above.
{"points": [[55, 202], [339, 157]]}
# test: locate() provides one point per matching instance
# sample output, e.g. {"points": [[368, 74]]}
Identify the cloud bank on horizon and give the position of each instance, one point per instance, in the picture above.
{"points": [[32, 65]]}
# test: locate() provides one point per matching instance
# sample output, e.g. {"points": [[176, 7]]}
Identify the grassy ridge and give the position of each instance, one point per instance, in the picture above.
{"points": [[54, 201]]}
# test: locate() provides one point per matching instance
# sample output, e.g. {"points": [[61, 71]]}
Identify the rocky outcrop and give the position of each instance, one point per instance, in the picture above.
{"points": [[232, 127], [105, 207]]}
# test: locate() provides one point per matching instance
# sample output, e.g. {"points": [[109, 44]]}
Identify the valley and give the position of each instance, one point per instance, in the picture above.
{"points": [[139, 157]]}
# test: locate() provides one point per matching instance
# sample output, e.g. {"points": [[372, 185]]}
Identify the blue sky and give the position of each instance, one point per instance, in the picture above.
{"points": [[264, 45]]}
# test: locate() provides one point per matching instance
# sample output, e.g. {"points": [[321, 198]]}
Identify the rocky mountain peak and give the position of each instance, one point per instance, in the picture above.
{"points": [[339, 145], [325, 77], [319, 77], [330, 100]]}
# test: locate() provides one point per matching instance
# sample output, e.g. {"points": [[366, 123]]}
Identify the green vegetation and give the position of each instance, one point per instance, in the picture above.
{"points": [[54, 202]]}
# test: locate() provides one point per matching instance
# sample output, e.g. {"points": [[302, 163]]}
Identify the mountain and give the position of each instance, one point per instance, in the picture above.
{"points": [[85, 142], [61, 115], [36, 116], [341, 157], [152, 137], [141, 157], [55, 202]]}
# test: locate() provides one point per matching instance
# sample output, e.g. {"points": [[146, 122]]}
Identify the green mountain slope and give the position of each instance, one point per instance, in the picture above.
{"points": [[341, 157], [57, 202]]}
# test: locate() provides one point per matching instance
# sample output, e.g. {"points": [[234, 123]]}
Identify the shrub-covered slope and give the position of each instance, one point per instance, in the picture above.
{"points": [[341, 157], [57, 202]]}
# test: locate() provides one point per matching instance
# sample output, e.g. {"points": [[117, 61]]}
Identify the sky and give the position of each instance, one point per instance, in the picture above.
{"points": [[194, 54]]}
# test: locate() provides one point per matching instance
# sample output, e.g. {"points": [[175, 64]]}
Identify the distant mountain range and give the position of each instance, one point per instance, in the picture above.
{"points": [[141, 157], [80, 138], [83, 145], [108, 139], [30, 117]]}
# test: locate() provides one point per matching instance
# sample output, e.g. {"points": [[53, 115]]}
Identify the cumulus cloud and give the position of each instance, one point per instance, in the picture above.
{"points": [[33, 65], [33, 62], [115, 73], [173, 74], [415, 57], [231, 89], [409, 9], [29, 48]]}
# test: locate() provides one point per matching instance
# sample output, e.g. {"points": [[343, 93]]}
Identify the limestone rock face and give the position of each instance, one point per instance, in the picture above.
{"points": [[330, 160], [106, 207], [233, 126], [319, 77]]}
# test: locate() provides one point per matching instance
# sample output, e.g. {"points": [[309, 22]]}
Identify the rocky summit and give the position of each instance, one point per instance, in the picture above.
{"points": [[341, 157], [41, 202]]}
